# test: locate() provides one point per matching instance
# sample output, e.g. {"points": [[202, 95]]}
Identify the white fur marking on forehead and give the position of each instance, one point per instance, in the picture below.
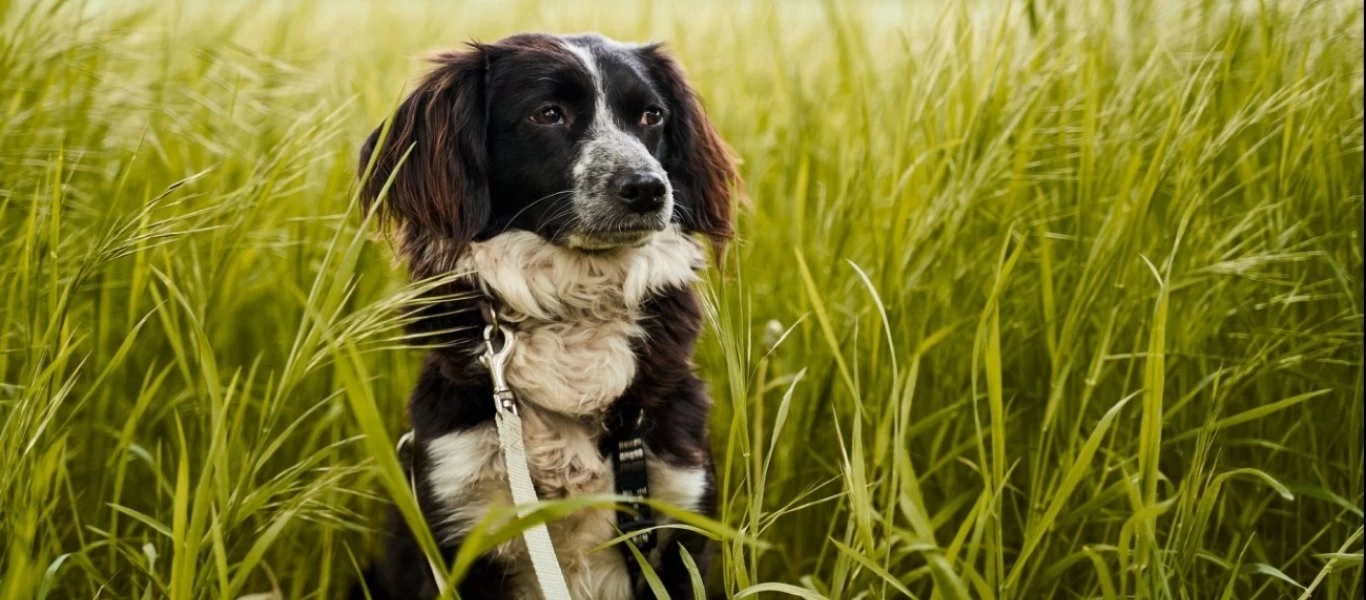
{"points": [[590, 63], [603, 120]]}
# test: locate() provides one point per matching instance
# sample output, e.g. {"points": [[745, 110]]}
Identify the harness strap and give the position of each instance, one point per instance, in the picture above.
{"points": [[632, 479]]}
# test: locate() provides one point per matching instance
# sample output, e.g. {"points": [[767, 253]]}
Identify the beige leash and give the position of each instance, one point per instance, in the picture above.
{"points": [[537, 537], [549, 577]]}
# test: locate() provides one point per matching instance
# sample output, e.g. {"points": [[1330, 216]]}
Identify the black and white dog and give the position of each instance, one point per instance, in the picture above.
{"points": [[569, 177]]}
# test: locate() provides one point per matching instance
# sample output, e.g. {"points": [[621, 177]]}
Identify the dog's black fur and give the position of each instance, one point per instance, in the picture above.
{"points": [[479, 156]]}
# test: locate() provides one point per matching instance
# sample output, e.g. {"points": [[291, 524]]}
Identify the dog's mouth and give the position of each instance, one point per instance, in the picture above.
{"points": [[601, 230], [599, 241]]}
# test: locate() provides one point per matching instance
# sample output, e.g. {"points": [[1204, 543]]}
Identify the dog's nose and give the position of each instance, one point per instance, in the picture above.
{"points": [[642, 192]]}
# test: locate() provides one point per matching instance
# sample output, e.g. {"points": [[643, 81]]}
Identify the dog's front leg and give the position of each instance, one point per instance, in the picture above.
{"points": [[673, 569], [452, 415]]}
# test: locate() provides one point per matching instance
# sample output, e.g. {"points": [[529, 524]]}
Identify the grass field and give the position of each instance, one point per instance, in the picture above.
{"points": [[1049, 300]]}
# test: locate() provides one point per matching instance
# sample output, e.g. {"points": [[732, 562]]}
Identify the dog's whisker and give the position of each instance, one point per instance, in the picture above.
{"points": [[514, 216], [685, 210]]}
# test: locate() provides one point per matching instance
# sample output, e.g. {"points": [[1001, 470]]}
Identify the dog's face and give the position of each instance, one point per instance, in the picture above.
{"points": [[576, 140], [589, 143]]}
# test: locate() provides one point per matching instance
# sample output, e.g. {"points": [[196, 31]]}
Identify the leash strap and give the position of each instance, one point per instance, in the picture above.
{"points": [[509, 422]]}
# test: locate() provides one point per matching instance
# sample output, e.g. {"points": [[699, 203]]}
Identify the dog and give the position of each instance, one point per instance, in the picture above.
{"points": [[580, 185]]}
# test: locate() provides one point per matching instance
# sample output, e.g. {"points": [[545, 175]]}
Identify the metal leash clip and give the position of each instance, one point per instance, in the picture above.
{"points": [[544, 562], [495, 360]]}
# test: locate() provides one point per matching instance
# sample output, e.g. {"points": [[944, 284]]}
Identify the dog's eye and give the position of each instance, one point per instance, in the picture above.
{"points": [[548, 115], [653, 115]]}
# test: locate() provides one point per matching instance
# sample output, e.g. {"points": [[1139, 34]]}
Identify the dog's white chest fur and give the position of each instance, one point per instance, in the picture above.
{"points": [[575, 316]]}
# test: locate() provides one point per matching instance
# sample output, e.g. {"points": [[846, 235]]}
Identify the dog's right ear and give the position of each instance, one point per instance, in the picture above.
{"points": [[431, 159]]}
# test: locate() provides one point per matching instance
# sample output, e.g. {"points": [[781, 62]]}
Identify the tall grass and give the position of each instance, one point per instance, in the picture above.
{"points": [[1032, 299]]}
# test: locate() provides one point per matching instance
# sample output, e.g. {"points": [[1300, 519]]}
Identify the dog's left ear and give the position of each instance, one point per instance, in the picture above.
{"points": [[429, 174], [701, 167]]}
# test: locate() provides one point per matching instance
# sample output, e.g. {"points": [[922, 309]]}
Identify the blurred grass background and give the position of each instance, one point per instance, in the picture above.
{"points": [[1033, 299]]}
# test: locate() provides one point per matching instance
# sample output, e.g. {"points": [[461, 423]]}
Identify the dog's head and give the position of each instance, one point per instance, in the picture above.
{"points": [[589, 143]]}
